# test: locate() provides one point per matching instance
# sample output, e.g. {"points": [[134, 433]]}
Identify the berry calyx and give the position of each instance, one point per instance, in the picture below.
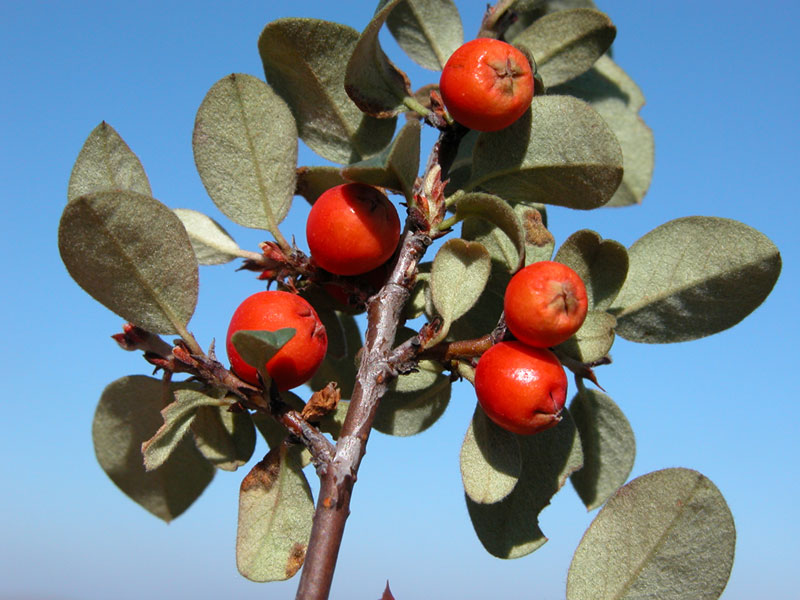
{"points": [[545, 303], [487, 84], [299, 358], [520, 388], [352, 228]]}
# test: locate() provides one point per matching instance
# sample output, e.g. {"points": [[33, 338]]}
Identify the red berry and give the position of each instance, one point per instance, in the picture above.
{"points": [[520, 388], [299, 358], [545, 303], [487, 84], [351, 229]]}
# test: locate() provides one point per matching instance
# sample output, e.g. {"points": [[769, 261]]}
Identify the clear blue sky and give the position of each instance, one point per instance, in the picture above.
{"points": [[721, 81]]}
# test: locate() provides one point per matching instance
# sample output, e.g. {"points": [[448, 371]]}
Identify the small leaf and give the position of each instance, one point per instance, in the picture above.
{"points": [[609, 447], [594, 338], [528, 11], [178, 416], [212, 245], [429, 31], [128, 414], [313, 181], [460, 272], [498, 212], [275, 515], [396, 167], [133, 255], [638, 152], [538, 240], [484, 316], [510, 528], [601, 264], [567, 43], [414, 402], [693, 277], [227, 439], [560, 152], [305, 62], [490, 460], [106, 163], [372, 81], [666, 535], [257, 347], [604, 82], [618, 99], [245, 148]]}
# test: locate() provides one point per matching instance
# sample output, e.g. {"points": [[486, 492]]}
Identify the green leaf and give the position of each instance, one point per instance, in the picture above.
{"points": [[133, 255], [638, 152], [305, 62], [567, 43], [498, 212], [560, 152], [178, 416], [128, 414], [491, 461], [313, 181], [227, 439], [666, 535], [604, 82], [483, 317], [106, 163], [429, 31], [538, 241], [527, 12], [510, 528], [257, 347], [245, 148], [396, 167], [618, 99], [601, 264], [275, 515], [593, 340], [460, 272], [414, 402], [609, 447], [212, 245], [693, 277], [372, 81]]}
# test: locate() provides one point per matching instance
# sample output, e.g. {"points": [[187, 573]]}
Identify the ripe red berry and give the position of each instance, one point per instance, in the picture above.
{"points": [[299, 358], [520, 388], [351, 229], [487, 84], [545, 303]]}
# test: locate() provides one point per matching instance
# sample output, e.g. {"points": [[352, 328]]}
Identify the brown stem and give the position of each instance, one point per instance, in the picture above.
{"points": [[374, 373]]}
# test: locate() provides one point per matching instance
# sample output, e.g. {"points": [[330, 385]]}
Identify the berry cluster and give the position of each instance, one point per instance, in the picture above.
{"points": [[521, 385], [352, 229]]}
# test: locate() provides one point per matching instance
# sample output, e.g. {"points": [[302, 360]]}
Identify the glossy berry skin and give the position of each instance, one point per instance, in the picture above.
{"points": [[487, 84], [545, 303], [351, 229], [520, 388], [299, 358]]}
